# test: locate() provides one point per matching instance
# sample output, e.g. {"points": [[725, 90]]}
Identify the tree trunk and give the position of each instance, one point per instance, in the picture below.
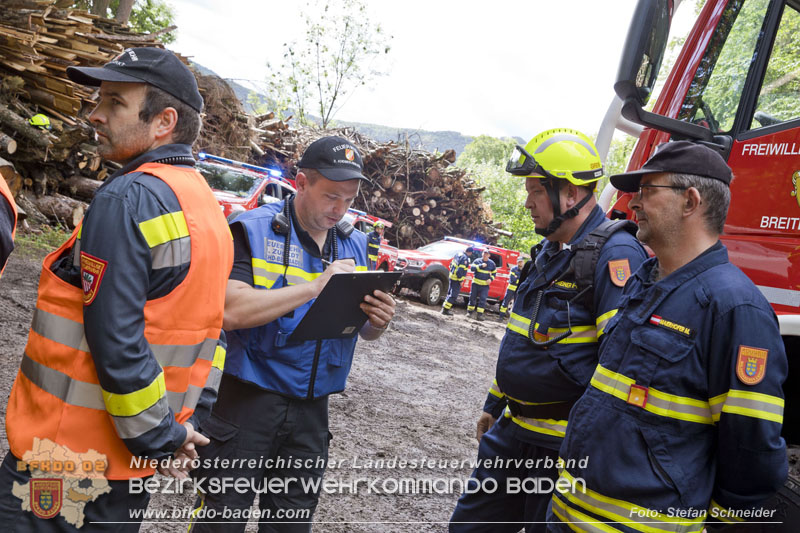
{"points": [[124, 11], [100, 7]]}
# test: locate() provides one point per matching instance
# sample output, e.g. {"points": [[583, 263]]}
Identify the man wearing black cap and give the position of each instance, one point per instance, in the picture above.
{"points": [[125, 353], [681, 424], [273, 400]]}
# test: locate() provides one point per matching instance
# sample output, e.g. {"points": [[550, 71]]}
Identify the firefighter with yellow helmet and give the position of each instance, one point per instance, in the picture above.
{"points": [[549, 351]]}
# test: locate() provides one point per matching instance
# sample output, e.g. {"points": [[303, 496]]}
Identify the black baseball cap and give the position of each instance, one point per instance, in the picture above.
{"points": [[156, 66], [336, 158], [677, 157]]}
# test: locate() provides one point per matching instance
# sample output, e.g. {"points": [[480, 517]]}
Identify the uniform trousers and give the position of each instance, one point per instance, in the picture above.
{"points": [[507, 509], [275, 438]]}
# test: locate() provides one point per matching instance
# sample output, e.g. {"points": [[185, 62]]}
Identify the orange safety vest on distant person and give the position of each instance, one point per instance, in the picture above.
{"points": [[6, 193], [56, 394]]}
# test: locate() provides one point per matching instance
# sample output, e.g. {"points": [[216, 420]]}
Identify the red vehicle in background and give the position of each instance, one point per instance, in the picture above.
{"points": [[734, 86], [426, 269], [387, 254], [239, 186]]}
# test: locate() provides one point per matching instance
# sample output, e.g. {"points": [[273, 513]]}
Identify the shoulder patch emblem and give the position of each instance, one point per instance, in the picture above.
{"points": [[751, 365], [619, 270], [92, 270]]}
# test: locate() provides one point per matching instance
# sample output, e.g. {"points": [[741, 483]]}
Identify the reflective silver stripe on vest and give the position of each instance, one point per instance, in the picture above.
{"points": [[567, 514], [129, 427], [62, 386], [70, 333], [76, 253], [59, 329], [171, 253], [90, 395]]}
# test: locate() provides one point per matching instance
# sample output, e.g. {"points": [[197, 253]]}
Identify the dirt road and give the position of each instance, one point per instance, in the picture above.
{"points": [[414, 395]]}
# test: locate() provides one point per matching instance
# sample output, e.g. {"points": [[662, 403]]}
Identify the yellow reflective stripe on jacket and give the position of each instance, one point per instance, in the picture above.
{"points": [[723, 514], [359, 268], [164, 228], [133, 403], [572, 517], [658, 402], [632, 515], [373, 257], [602, 320], [512, 287], [477, 281], [266, 274], [219, 358], [547, 426], [748, 403], [580, 334], [494, 390]]}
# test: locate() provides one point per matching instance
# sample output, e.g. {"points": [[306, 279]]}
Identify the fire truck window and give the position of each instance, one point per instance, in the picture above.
{"points": [[779, 99], [498, 261], [714, 94]]}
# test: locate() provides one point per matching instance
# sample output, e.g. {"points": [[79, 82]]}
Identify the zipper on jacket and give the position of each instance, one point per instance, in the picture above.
{"points": [[314, 370]]}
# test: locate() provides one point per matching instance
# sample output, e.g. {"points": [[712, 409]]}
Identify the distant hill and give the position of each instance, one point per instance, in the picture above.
{"points": [[418, 139]]}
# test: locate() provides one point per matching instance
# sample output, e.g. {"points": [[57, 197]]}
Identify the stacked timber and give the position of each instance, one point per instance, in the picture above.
{"points": [[421, 193], [55, 172]]}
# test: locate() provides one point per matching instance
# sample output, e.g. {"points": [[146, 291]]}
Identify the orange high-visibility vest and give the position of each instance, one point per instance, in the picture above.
{"points": [[6, 193], [57, 395]]}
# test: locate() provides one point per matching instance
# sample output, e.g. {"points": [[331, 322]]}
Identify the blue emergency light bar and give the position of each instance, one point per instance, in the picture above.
{"points": [[271, 171], [357, 211], [465, 241]]}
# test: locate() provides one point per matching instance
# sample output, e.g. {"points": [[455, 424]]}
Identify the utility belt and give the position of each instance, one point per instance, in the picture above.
{"points": [[555, 411]]}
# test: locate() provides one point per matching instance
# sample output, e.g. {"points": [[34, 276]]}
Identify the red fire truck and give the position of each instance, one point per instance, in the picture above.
{"points": [[239, 186], [736, 87], [426, 269]]}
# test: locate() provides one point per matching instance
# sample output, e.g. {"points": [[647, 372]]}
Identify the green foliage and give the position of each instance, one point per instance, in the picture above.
{"points": [[147, 16], [485, 158], [341, 51], [31, 244], [486, 149]]}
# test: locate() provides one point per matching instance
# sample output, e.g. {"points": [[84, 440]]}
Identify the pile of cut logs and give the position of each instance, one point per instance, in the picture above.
{"points": [[55, 172], [423, 196]]}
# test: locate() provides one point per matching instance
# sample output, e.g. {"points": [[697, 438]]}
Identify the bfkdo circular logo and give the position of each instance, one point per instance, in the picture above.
{"points": [[46, 496]]}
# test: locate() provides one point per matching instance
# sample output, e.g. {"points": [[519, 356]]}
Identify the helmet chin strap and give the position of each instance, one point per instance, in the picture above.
{"points": [[558, 218]]}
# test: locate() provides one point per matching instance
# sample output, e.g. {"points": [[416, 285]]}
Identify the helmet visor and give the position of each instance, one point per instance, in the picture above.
{"points": [[523, 164]]}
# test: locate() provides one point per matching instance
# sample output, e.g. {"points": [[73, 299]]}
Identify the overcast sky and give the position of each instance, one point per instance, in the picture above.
{"points": [[502, 68]]}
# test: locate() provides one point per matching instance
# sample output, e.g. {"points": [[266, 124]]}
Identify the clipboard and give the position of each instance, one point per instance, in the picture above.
{"points": [[336, 314]]}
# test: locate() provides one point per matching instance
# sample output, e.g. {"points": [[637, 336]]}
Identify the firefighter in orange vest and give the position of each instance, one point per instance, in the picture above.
{"points": [[8, 223], [124, 355]]}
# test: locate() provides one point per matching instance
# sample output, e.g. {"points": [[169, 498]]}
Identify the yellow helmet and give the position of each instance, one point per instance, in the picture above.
{"points": [[559, 153], [378, 224], [40, 121]]}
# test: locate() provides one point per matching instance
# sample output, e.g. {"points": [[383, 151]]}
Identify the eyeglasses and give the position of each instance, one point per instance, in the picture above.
{"points": [[643, 186]]}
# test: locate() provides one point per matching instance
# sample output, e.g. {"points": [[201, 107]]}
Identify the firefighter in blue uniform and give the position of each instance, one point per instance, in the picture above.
{"points": [[273, 399], [374, 244], [458, 271], [549, 350], [511, 290], [484, 271], [681, 424]]}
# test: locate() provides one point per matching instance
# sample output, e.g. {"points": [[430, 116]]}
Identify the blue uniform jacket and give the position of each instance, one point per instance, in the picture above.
{"points": [[684, 411], [528, 374], [458, 266], [263, 355], [513, 279], [483, 276]]}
